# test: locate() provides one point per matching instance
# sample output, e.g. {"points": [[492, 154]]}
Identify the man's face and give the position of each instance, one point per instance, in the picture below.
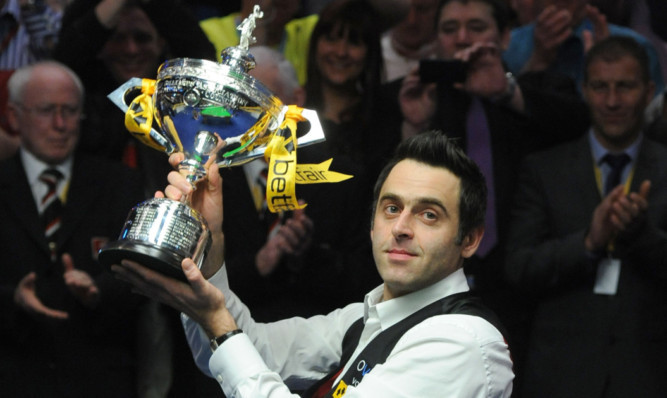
{"points": [[461, 25], [48, 117], [617, 98], [134, 48], [417, 28], [415, 226]]}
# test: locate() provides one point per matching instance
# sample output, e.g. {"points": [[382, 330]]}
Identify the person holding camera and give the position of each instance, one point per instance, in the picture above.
{"points": [[469, 94]]}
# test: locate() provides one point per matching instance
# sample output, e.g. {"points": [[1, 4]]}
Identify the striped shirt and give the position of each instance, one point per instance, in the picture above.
{"points": [[36, 35]]}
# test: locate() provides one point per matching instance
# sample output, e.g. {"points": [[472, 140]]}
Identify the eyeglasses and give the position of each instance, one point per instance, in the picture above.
{"points": [[47, 112]]}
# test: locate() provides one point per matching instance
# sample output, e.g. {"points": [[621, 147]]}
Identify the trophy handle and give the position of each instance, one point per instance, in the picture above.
{"points": [[122, 97]]}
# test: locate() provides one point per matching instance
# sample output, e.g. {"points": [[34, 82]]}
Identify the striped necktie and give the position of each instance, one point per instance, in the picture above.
{"points": [[50, 205]]}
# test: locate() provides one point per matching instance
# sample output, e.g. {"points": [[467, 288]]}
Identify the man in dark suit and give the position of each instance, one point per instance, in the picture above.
{"points": [[67, 327], [588, 238]]}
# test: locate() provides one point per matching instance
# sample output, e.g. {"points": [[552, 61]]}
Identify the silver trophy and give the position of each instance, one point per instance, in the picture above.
{"points": [[211, 112]]}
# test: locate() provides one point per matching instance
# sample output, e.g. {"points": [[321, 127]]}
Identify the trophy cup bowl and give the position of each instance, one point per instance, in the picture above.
{"points": [[198, 105]]}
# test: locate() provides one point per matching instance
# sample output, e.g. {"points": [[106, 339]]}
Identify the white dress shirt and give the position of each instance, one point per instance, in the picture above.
{"points": [[444, 356]]}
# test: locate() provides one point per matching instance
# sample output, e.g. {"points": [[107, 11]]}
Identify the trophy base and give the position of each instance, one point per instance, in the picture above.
{"points": [[159, 233], [153, 257]]}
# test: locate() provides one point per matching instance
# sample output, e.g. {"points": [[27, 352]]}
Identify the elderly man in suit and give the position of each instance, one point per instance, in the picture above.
{"points": [[67, 327], [588, 238]]}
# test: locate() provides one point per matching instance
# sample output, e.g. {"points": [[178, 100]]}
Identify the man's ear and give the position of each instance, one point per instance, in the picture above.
{"points": [[471, 242]]}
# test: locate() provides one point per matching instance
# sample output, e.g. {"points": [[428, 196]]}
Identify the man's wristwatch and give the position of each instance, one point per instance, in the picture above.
{"points": [[217, 342], [506, 96]]}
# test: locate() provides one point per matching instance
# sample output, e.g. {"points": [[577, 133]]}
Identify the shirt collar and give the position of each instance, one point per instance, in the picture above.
{"points": [[599, 151], [34, 167], [392, 311]]}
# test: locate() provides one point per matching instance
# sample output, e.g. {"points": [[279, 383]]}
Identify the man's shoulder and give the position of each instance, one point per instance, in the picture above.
{"points": [[618, 30], [469, 328], [520, 36], [557, 154], [220, 26], [308, 23]]}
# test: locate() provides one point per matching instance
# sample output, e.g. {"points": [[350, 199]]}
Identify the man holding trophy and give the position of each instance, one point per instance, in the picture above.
{"points": [[420, 333]]}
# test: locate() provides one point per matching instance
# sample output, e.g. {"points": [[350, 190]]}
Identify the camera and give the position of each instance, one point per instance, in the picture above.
{"points": [[442, 71]]}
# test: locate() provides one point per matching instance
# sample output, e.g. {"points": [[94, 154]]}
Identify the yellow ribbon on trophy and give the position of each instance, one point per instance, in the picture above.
{"points": [[284, 172], [139, 115]]}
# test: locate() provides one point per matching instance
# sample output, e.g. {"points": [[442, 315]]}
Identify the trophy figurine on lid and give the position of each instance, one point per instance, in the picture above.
{"points": [[210, 112]]}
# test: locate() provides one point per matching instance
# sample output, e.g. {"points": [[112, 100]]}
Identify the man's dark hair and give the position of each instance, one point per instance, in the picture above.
{"points": [[614, 48], [435, 149], [499, 10]]}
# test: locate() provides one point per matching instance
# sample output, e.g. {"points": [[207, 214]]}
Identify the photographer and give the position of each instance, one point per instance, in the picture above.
{"points": [[497, 119]]}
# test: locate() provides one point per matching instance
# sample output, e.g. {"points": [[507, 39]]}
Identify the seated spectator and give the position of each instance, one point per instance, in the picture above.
{"points": [[344, 78], [64, 318], [560, 37], [587, 243]]}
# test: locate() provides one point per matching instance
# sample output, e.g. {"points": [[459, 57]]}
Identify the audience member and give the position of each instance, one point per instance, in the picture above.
{"points": [[419, 334], [344, 79], [107, 42], [65, 320], [560, 37], [498, 120], [28, 30], [588, 239], [410, 40], [281, 264]]}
